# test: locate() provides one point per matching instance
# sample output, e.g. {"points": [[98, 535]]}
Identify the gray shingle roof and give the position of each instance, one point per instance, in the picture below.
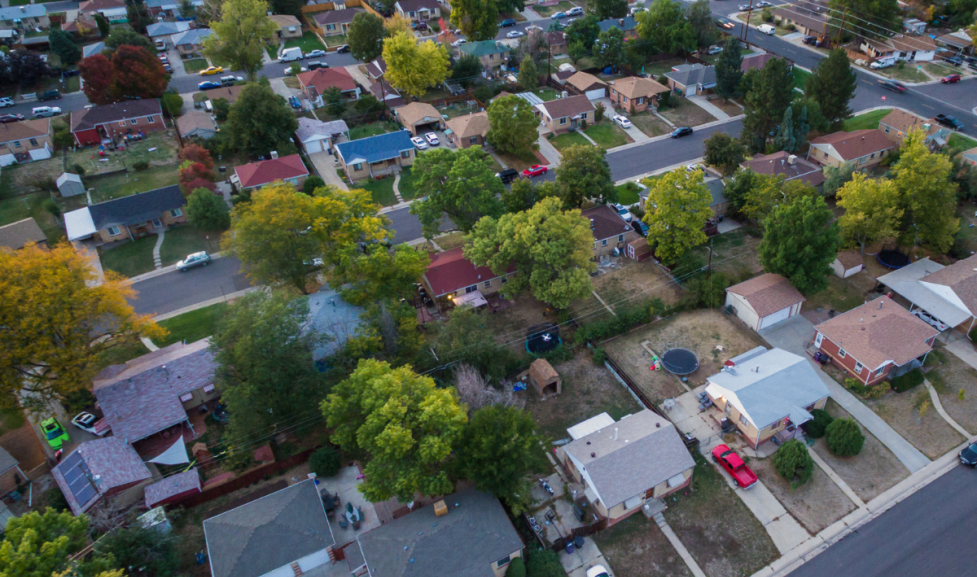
{"points": [[192, 37], [689, 74], [21, 12], [375, 148], [137, 208], [7, 461], [268, 533], [166, 28], [463, 543], [625, 24]]}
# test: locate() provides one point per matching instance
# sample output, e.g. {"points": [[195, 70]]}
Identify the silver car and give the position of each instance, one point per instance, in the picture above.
{"points": [[192, 261]]}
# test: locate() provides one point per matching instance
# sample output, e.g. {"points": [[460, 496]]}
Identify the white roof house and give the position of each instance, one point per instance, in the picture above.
{"points": [[316, 135], [79, 223], [920, 283]]}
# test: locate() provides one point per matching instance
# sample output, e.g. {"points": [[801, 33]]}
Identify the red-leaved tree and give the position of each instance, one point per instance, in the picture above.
{"points": [[190, 173], [196, 153], [133, 72], [198, 183], [96, 71]]}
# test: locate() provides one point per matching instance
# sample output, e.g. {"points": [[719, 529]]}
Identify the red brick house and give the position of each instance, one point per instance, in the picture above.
{"points": [[289, 169], [319, 81], [452, 275], [876, 340], [91, 125]]}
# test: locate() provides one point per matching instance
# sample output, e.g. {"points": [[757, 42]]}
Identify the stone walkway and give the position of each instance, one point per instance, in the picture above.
{"points": [[149, 344], [704, 104], [159, 242], [400, 199]]}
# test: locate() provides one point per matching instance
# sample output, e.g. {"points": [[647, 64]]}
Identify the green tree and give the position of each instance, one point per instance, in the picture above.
{"points": [[836, 177], [800, 243], [335, 103], [138, 15], [770, 191], [62, 45], [728, 70], [928, 197], [794, 463], [260, 121], [724, 152], [815, 428], [222, 109], [172, 104], [208, 211], [872, 15], [844, 437], [38, 544], [550, 248], [461, 184], [466, 69], [815, 120], [62, 136], [522, 194], [378, 273], [413, 67], [145, 552], [312, 184], [104, 28], [516, 568], [832, 85], [577, 50], [607, 9], [665, 27], [584, 30], [770, 92], [583, 175], [126, 37], [466, 339], [498, 450], [402, 423], [784, 139], [739, 186], [700, 17], [188, 10], [512, 126], [326, 462], [528, 74], [365, 37], [609, 48], [477, 19], [676, 210], [872, 210], [240, 36]]}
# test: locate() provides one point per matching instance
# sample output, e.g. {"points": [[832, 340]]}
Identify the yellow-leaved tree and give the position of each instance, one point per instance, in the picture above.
{"points": [[414, 67], [872, 210], [240, 36]]}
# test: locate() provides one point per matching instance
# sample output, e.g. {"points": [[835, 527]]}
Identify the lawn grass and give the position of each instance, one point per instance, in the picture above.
{"points": [[800, 78], [158, 148], [192, 326], [568, 139], [381, 190], [186, 239], [546, 94], [308, 42], [839, 295], [959, 141], [607, 134], [272, 50], [15, 207], [906, 74], [130, 258], [650, 124], [627, 193], [333, 41], [372, 129], [195, 65], [406, 185], [118, 355], [126, 184], [11, 419], [547, 11], [867, 120]]}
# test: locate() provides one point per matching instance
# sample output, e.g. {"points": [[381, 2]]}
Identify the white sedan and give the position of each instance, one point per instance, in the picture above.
{"points": [[533, 27], [622, 121], [515, 34], [930, 320], [432, 139], [459, 42], [419, 143], [288, 71]]}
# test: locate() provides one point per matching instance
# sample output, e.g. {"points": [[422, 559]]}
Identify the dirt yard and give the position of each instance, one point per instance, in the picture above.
{"points": [[951, 379], [815, 504], [701, 331], [636, 547], [734, 253], [588, 390], [912, 415], [20, 440], [510, 325], [870, 472], [722, 535], [630, 284]]}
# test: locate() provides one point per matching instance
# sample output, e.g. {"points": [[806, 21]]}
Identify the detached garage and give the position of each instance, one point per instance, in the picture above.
{"points": [[764, 301], [589, 85]]}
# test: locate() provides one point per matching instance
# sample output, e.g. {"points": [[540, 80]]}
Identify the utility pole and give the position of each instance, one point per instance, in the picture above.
{"points": [[746, 29], [844, 15]]}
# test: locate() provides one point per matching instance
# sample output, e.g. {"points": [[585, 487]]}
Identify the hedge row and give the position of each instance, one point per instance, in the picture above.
{"points": [[913, 378]]}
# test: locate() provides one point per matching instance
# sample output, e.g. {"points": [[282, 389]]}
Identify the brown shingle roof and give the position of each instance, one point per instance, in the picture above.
{"points": [[850, 259], [637, 87], [605, 222], [285, 20], [17, 235], [25, 129], [471, 125], [228, 93], [583, 82], [337, 16], [768, 293], [96, 115], [879, 331], [904, 122], [961, 278], [570, 106], [779, 163], [417, 112], [852, 145], [193, 120]]}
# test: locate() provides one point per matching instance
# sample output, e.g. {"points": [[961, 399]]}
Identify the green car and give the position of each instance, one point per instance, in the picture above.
{"points": [[55, 433]]}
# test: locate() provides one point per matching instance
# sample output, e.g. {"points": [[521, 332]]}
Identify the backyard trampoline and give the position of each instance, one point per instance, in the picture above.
{"points": [[892, 259], [680, 361], [542, 338]]}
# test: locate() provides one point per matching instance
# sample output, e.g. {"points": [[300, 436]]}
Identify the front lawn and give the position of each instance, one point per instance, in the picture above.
{"points": [[683, 112], [867, 120], [272, 50], [308, 42], [372, 129], [628, 193], [192, 326], [333, 41], [406, 184], [568, 139], [959, 141], [547, 11], [800, 78], [186, 239], [130, 258], [382, 190], [607, 134], [195, 65], [650, 124], [905, 73]]}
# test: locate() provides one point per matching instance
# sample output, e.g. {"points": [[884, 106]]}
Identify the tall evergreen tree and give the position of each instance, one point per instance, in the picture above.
{"points": [[62, 45], [785, 139], [832, 85], [770, 92], [728, 71]]}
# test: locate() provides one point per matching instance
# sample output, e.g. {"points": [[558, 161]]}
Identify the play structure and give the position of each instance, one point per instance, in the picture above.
{"points": [[892, 259], [542, 338], [680, 361]]}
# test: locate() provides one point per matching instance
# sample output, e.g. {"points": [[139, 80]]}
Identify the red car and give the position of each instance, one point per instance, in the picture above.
{"points": [[735, 466], [535, 170], [950, 79]]}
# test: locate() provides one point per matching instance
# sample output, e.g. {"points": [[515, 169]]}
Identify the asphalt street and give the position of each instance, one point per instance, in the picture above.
{"points": [[930, 533], [176, 290]]}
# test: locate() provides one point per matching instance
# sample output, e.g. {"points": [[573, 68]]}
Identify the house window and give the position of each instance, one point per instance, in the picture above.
{"points": [[488, 283], [405, 154], [357, 167], [563, 121], [503, 561], [330, 26], [818, 339], [620, 238], [16, 144], [33, 142], [473, 140], [595, 244], [122, 123], [471, 289], [157, 223], [583, 116], [743, 420], [887, 130], [186, 398], [841, 353], [176, 213], [114, 231], [209, 388], [603, 242], [858, 367], [879, 371], [624, 99], [134, 121], [639, 101], [412, 14], [151, 119], [505, 280]]}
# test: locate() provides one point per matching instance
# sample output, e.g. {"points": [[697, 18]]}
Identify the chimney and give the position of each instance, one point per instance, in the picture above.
{"points": [[274, 154], [620, 21], [792, 159], [23, 9]]}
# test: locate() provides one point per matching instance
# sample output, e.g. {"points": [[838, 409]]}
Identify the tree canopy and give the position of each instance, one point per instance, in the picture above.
{"points": [[465, 338], [832, 85], [512, 126], [477, 19], [699, 16], [378, 273], [607, 9], [365, 37], [240, 36], [261, 121], [676, 210], [609, 48], [928, 197], [800, 242], [39, 544], [412, 66], [872, 210], [64, 47], [770, 91], [728, 70], [665, 26], [584, 174], [207, 211], [132, 72], [126, 37], [724, 152]]}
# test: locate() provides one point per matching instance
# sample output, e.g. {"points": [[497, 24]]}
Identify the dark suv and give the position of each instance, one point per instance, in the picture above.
{"points": [[508, 175], [49, 95]]}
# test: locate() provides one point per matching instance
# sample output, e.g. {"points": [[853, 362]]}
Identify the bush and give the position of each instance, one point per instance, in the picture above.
{"points": [[625, 320], [706, 291], [844, 437], [664, 100], [483, 94], [517, 568], [545, 563], [599, 110], [794, 463], [140, 165], [815, 427], [767, 15], [312, 183], [583, 124], [599, 356], [326, 462], [913, 378], [973, 336]]}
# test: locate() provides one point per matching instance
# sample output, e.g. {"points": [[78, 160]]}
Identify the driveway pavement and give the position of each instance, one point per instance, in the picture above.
{"points": [[793, 335], [325, 165]]}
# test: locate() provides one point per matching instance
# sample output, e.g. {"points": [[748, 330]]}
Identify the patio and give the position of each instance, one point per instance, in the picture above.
{"points": [[346, 486]]}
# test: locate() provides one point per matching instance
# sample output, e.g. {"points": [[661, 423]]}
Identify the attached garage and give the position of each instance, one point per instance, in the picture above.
{"points": [[764, 301]]}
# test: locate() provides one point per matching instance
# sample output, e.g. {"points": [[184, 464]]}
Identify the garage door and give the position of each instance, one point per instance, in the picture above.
{"points": [[595, 94], [774, 318], [313, 146]]}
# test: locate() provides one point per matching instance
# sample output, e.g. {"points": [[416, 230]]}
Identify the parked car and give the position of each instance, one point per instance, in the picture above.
{"points": [[208, 85], [86, 422], [763, 4], [734, 465], [54, 433], [419, 143], [968, 456], [598, 571], [49, 95], [639, 227], [211, 70], [432, 139], [893, 86], [770, 30], [950, 79], [535, 170], [533, 27], [745, 7], [343, 49], [508, 175], [713, 50], [160, 45], [193, 260], [315, 65], [558, 15], [575, 11], [45, 111], [167, 68], [515, 34], [316, 53], [948, 121], [229, 80], [680, 132], [459, 42], [8, 118], [418, 25], [507, 23], [6, 101], [955, 60], [725, 24], [623, 212], [295, 102], [622, 121], [930, 320], [693, 168], [288, 71], [883, 63]]}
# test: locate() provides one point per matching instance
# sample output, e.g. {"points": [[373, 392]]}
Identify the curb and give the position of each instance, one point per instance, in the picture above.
{"points": [[657, 171], [666, 136], [204, 304], [161, 271]]}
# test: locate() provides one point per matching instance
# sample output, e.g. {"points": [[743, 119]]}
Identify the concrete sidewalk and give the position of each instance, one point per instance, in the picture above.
{"points": [[549, 152], [964, 351], [709, 107]]}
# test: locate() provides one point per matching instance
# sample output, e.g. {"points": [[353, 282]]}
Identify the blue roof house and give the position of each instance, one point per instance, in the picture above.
{"points": [[376, 156]]}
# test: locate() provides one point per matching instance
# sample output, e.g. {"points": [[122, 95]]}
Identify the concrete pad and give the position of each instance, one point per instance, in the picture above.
{"points": [[577, 563], [687, 418], [347, 484]]}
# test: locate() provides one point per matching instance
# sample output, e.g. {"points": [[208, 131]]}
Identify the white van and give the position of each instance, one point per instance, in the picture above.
{"points": [[767, 29], [291, 54], [208, 106]]}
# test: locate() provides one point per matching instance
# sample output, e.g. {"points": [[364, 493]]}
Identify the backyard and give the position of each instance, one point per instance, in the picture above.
{"points": [[607, 134], [15, 206], [682, 112], [372, 129]]}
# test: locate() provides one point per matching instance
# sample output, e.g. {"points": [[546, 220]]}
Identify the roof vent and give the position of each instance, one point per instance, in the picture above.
{"points": [[792, 159], [593, 455], [658, 425], [274, 154]]}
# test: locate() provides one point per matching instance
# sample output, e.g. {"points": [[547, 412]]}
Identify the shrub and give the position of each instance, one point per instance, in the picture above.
{"points": [[312, 183], [545, 563], [583, 124], [706, 291], [517, 568], [844, 437], [973, 336], [599, 112], [483, 94], [815, 427], [326, 462], [794, 463], [599, 356], [664, 100], [913, 378], [876, 391], [624, 321], [140, 165], [767, 15]]}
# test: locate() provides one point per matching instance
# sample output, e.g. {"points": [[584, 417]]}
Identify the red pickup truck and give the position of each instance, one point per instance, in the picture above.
{"points": [[735, 466]]}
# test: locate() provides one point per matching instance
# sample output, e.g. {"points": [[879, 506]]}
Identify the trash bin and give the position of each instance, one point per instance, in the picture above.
{"points": [[578, 542], [569, 546]]}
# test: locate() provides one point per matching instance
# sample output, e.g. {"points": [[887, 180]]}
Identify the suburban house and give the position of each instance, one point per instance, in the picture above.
{"points": [[99, 469], [169, 8], [318, 136], [628, 25], [913, 26], [112, 10], [289, 169], [317, 82], [948, 293], [958, 41], [467, 534], [451, 275], [10, 473], [767, 393], [17, 235], [764, 300], [418, 10], [898, 123], [92, 49], [25, 141], [492, 53], [876, 340], [377, 68], [861, 149], [82, 26], [557, 42], [129, 217], [153, 393], [336, 22], [757, 61], [191, 41], [465, 131], [625, 464], [387, 94], [808, 17], [91, 125], [228, 93], [636, 94], [25, 17], [196, 124], [165, 30], [789, 165], [847, 263], [588, 85], [288, 25], [173, 488], [900, 47], [691, 78], [970, 157], [375, 156], [284, 533], [609, 230], [563, 114], [420, 117]]}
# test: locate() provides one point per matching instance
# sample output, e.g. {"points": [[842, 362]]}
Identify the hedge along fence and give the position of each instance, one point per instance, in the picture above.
{"points": [[625, 320]]}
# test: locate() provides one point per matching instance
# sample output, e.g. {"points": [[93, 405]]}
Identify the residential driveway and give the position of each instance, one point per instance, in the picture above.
{"points": [[793, 335], [325, 165]]}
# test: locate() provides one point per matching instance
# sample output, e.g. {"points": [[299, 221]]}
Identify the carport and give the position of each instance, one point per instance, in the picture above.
{"points": [[905, 282]]}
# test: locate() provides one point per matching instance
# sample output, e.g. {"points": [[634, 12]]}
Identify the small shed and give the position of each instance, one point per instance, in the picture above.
{"points": [[847, 263], [70, 185], [638, 250], [545, 378]]}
